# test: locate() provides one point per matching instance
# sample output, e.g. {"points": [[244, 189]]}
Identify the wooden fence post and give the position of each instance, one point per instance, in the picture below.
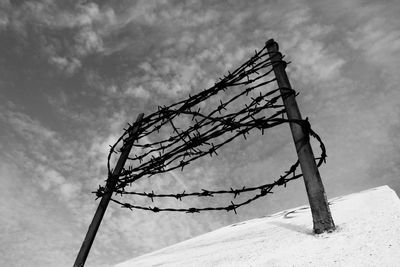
{"points": [[111, 182], [322, 218]]}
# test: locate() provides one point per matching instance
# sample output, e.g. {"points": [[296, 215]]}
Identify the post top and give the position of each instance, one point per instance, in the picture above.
{"points": [[271, 43]]}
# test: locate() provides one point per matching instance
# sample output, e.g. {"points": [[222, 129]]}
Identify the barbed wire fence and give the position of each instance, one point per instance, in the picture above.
{"points": [[241, 103], [205, 132]]}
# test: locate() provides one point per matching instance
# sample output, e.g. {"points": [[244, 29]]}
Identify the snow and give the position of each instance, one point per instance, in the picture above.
{"points": [[368, 234]]}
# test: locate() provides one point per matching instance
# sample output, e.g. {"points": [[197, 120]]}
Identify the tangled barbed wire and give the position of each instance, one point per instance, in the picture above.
{"points": [[237, 105]]}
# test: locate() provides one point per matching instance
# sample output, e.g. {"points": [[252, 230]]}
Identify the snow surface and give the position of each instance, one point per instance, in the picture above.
{"points": [[368, 234]]}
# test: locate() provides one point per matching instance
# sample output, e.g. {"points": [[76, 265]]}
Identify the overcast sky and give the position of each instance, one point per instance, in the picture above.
{"points": [[73, 73]]}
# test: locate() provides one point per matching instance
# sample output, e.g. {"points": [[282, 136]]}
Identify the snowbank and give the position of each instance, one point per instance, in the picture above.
{"points": [[368, 234]]}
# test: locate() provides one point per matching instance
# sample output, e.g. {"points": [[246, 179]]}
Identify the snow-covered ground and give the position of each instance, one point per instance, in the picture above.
{"points": [[368, 234]]}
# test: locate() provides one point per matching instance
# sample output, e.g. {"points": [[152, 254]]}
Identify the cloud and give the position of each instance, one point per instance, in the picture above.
{"points": [[70, 66], [170, 77], [379, 39], [314, 61], [32, 222], [53, 180], [4, 20], [87, 41], [26, 126], [51, 177], [81, 26], [45, 153], [138, 92]]}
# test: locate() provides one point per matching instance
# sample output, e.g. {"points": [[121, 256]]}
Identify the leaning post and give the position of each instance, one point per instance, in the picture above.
{"points": [[322, 218], [110, 186]]}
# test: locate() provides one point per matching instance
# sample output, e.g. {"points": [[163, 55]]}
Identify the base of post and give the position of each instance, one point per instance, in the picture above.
{"points": [[322, 227]]}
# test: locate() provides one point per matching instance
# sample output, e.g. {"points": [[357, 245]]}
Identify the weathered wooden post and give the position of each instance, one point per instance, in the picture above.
{"points": [[111, 183], [321, 214]]}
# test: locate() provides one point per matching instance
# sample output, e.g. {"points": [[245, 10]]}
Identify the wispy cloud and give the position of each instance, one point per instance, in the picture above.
{"points": [[37, 148], [82, 26], [67, 65], [32, 223], [379, 40]]}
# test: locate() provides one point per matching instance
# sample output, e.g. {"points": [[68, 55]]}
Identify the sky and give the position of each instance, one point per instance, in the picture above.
{"points": [[74, 73]]}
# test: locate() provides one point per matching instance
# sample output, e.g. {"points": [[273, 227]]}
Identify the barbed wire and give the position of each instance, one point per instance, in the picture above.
{"points": [[203, 133]]}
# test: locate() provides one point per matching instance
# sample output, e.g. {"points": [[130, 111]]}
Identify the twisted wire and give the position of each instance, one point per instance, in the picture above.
{"points": [[207, 131]]}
